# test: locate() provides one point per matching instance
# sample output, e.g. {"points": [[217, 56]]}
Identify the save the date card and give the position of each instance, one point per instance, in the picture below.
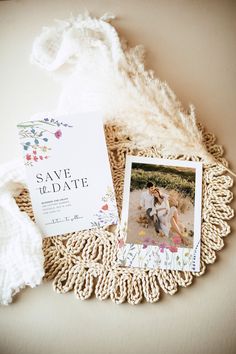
{"points": [[68, 173]]}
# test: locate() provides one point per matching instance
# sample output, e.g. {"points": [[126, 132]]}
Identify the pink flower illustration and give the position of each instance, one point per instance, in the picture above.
{"points": [[34, 152], [41, 157], [28, 157], [121, 243], [173, 249], [148, 241], [176, 239], [58, 134], [162, 246], [35, 158]]}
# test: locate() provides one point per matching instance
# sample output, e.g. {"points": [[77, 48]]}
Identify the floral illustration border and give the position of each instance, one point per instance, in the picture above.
{"points": [[35, 137]]}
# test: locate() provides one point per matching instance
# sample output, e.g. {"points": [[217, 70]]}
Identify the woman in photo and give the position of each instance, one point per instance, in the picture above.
{"points": [[167, 215]]}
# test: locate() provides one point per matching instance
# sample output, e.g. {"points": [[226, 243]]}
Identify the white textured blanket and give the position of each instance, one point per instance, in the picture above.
{"points": [[21, 255]]}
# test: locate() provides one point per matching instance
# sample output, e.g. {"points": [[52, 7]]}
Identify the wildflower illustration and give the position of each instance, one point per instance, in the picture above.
{"points": [[149, 241], [107, 214], [164, 255], [177, 240], [120, 242], [142, 233], [35, 137]]}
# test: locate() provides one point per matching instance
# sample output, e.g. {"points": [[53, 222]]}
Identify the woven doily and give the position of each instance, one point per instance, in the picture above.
{"points": [[85, 261]]}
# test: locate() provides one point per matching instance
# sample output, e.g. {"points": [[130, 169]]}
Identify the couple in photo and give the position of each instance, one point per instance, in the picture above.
{"points": [[159, 209]]}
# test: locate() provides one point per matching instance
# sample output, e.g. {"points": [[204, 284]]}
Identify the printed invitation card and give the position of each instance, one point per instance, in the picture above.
{"points": [[161, 215], [68, 173]]}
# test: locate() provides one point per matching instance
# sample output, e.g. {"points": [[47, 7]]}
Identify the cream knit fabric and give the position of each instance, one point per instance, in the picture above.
{"points": [[21, 256]]}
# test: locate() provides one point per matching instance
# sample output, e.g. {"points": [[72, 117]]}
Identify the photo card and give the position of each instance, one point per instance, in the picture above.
{"points": [[161, 214]]}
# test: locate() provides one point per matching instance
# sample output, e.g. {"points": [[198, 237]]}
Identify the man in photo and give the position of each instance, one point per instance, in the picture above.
{"points": [[147, 203]]}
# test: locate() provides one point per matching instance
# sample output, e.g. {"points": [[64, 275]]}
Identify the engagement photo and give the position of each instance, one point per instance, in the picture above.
{"points": [[161, 206]]}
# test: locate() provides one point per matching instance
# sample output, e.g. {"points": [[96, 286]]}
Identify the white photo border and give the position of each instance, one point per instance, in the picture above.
{"points": [[134, 255]]}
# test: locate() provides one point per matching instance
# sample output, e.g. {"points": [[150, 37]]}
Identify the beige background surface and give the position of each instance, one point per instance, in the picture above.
{"points": [[190, 44]]}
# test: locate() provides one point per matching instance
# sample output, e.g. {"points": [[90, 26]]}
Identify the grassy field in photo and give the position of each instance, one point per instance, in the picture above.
{"points": [[179, 179]]}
